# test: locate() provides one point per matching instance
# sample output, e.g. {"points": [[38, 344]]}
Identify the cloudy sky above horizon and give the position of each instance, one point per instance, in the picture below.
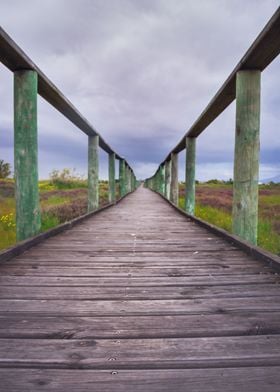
{"points": [[141, 72]]}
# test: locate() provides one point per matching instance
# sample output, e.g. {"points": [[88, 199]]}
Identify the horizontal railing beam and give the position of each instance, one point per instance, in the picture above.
{"points": [[260, 54], [14, 58]]}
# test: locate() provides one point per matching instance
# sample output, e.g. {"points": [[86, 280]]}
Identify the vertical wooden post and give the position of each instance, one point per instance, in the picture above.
{"points": [[112, 182], [174, 179], [28, 217], [162, 179], [122, 177], [167, 179], [93, 167], [130, 180], [190, 176], [158, 180], [246, 155], [127, 178]]}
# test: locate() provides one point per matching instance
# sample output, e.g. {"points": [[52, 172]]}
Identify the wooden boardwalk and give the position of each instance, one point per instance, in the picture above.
{"points": [[138, 298]]}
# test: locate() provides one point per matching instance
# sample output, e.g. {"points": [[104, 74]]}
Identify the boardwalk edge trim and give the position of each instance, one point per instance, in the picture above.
{"points": [[267, 257], [22, 246]]}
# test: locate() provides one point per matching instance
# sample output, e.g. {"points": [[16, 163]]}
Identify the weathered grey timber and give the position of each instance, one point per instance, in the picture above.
{"points": [[145, 306], [174, 179], [190, 176], [28, 219], [112, 180], [246, 156], [93, 178]]}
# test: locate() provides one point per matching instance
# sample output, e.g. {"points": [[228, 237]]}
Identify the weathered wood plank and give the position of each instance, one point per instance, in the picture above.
{"points": [[210, 280], [140, 307], [250, 379], [101, 292], [156, 292], [210, 352], [134, 271], [39, 325]]}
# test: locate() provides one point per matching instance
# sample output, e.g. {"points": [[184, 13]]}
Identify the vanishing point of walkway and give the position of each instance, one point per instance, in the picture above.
{"points": [[138, 298]]}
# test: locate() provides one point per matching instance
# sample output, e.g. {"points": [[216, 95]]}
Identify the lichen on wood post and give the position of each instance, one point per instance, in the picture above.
{"points": [[28, 217], [174, 179], [122, 177], [190, 176], [246, 155], [127, 178], [93, 167], [158, 180], [161, 179], [112, 181], [167, 179]]}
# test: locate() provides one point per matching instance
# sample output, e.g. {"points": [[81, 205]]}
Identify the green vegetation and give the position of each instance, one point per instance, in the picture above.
{"points": [[214, 203], [5, 169], [48, 222], [62, 198], [7, 230], [67, 179]]}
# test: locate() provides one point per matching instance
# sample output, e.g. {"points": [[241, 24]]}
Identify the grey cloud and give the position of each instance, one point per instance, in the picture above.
{"points": [[142, 71]]}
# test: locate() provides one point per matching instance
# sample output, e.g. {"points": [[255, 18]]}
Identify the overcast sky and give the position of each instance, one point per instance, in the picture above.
{"points": [[141, 72]]}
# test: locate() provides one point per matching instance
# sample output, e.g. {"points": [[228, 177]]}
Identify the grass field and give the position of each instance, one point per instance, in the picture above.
{"points": [[214, 204], [59, 203]]}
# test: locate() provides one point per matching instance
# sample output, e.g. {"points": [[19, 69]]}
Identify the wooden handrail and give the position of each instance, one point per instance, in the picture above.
{"points": [[261, 53], [243, 84], [13, 57], [29, 81]]}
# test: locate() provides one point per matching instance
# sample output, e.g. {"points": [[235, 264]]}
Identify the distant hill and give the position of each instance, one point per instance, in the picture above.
{"points": [[273, 179]]}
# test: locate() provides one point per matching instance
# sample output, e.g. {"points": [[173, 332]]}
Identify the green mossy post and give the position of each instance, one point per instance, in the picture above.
{"points": [[190, 176], [28, 217], [112, 182], [93, 166], [130, 180], [161, 179], [246, 155], [158, 180], [122, 177], [152, 183], [155, 182], [167, 179], [127, 178], [174, 179]]}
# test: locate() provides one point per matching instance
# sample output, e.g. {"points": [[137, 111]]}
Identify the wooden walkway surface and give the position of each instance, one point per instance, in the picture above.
{"points": [[138, 298]]}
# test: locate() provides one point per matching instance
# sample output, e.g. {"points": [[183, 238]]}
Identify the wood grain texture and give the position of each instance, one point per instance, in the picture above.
{"points": [[246, 156], [28, 215], [138, 298]]}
